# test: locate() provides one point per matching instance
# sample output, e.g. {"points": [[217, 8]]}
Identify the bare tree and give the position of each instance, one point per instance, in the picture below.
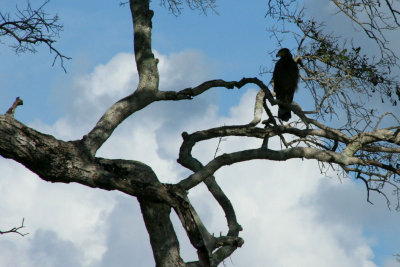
{"points": [[332, 71]]}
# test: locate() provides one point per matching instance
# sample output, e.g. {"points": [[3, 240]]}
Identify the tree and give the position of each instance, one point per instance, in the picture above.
{"points": [[332, 70]]}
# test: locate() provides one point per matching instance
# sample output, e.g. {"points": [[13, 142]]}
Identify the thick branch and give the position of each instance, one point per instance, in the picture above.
{"points": [[163, 239], [65, 162], [145, 61], [113, 117]]}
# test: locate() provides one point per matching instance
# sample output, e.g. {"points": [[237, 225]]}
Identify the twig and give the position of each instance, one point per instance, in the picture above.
{"points": [[15, 230]]}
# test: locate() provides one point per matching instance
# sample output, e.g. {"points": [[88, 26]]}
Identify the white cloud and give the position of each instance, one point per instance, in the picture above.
{"points": [[115, 78], [76, 213], [279, 204], [184, 69]]}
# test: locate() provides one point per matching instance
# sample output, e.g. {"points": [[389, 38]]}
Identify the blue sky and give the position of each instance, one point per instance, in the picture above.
{"points": [[308, 219], [238, 45]]}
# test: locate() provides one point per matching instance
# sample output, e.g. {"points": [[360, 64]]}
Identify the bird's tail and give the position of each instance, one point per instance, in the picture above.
{"points": [[284, 113]]}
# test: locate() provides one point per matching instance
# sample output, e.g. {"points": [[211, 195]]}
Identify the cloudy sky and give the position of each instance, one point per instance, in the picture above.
{"points": [[298, 217]]}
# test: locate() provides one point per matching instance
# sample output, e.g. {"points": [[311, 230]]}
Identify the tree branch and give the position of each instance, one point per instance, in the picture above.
{"points": [[65, 162], [30, 28], [162, 235], [145, 61], [15, 230], [11, 110], [344, 157]]}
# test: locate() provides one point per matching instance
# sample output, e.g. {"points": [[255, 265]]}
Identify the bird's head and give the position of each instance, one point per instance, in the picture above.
{"points": [[284, 52]]}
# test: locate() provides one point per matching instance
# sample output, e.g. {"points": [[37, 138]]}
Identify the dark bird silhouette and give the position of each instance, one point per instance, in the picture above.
{"points": [[285, 78]]}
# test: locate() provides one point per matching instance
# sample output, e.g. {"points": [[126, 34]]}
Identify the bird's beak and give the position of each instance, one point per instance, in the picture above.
{"points": [[279, 54]]}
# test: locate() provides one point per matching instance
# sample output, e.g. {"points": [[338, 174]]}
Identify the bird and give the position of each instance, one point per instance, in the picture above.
{"points": [[285, 78]]}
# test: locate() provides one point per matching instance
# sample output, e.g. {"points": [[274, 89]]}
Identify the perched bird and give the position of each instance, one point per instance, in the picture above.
{"points": [[285, 78]]}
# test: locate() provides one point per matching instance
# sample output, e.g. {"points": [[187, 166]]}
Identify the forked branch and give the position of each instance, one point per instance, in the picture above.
{"points": [[15, 230]]}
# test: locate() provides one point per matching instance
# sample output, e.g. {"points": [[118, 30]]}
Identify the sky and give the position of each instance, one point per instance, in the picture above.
{"points": [[298, 216]]}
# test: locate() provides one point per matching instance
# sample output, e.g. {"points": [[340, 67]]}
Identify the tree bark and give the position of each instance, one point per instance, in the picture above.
{"points": [[163, 239]]}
